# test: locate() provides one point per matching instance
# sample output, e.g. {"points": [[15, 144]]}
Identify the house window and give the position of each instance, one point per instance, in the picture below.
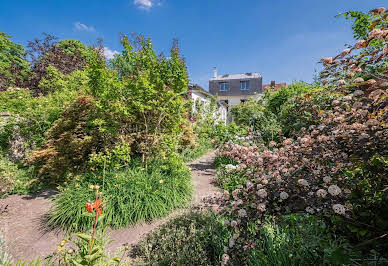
{"points": [[244, 85], [224, 86]]}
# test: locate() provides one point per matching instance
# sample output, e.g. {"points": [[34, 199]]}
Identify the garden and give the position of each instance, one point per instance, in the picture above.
{"points": [[301, 173]]}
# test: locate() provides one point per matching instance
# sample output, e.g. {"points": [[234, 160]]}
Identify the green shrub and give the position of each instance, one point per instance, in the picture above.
{"points": [[35, 116], [70, 141], [191, 154], [192, 239], [275, 99], [302, 111], [15, 178], [14, 68], [254, 115], [230, 132], [369, 218], [132, 194], [296, 239]]}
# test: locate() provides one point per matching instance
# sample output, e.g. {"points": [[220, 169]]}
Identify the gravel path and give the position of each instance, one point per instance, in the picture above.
{"points": [[20, 217]]}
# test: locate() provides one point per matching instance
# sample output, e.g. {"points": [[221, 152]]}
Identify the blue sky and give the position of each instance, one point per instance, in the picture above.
{"points": [[281, 39]]}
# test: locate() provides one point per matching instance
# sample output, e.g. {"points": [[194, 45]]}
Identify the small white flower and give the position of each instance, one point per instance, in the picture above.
{"points": [[310, 210], [321, 193], [283, 195], [303, 182], [326, 179], [334, 190], [242, 213], [261, 207], [339, 209], [261, 193]]}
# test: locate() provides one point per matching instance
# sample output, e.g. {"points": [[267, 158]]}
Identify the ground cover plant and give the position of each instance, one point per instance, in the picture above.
{"points": [[195, 238], [132, 194]]}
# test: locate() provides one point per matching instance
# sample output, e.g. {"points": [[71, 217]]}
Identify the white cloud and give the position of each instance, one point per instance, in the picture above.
{"points": [[146, 4], [82, 27], [109, 54]]}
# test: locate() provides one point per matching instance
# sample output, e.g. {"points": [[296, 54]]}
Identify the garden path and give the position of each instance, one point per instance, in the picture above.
{"points": [[21, 215]]}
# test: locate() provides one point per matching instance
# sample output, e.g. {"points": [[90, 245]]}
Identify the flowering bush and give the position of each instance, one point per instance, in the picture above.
{"points": [[307, 174]]}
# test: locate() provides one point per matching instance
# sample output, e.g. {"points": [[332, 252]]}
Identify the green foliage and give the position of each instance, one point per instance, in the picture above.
{"points": [[362, 23], [276, 98], [35, 115], [193, 153], [254, 115], [15, 178], [13, 64], [52, 60], [230, 132], [146, 90], [78, 252], [132, 194], [283, 112], [192, 239], [76, 141], [302, 111], [296, 240], [118, 157], [369, 217]]}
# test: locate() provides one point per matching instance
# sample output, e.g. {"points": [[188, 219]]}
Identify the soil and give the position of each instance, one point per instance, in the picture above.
{"points": [[26, 236]]}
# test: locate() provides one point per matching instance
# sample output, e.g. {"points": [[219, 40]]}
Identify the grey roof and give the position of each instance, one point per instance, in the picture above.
{"points": [[237, 76], [198, 88]]}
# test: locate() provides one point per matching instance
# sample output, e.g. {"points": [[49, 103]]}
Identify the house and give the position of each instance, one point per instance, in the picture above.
{"points": [[274, 85], [199, 95], [235, 88]]}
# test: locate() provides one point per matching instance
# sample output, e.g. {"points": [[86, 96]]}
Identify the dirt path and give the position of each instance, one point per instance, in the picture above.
{"points": [[20, 217]]}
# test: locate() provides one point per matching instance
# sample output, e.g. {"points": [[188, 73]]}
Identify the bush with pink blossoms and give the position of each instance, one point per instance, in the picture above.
{"points": [[313, 169]]}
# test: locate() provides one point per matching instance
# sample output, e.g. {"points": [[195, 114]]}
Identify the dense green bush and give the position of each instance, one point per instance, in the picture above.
{"points": [[15, 178], [192, 239], [14, 68], [192, 153], [302, 111], [284, 112], [130, 195], [296, 239], [253, 114], [369, 219], [33, 116], [71, 140], [230, 132]]}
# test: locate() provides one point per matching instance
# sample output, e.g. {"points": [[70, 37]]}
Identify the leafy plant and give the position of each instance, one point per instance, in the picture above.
{"points": [[196, 238], [14, 67], [132, 194]]}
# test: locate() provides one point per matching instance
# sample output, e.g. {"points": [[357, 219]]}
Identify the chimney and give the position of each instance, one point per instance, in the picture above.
{"points": [[272, 83], [214, 72]]}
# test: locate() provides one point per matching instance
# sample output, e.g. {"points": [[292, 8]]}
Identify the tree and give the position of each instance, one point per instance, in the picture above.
{"points": [[143, 94], [13, 64], [65, 56]]}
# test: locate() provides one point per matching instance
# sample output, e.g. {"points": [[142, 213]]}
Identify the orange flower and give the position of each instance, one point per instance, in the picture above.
{"points": [[89, 207], [94, 206], [97, 207]]}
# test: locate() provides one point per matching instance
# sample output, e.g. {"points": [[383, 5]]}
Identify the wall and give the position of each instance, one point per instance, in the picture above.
{"points": [[234, 87], [233, 100]]}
